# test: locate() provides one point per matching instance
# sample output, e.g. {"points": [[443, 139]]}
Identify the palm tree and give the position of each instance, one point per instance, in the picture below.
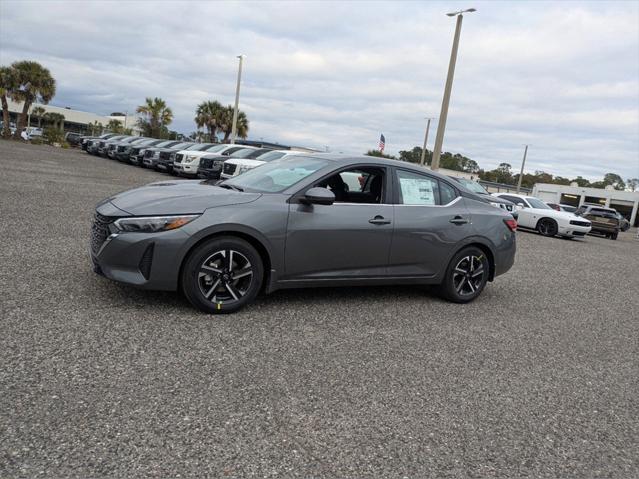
{"points": [[7, 86], [227, 123], [115, 126], [156, 116], [38, 112], [56, 119], [33, 83], [209, 114]]}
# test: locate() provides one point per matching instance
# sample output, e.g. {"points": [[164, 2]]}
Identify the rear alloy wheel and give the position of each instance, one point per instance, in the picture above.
{"points": [[466, 276], [222, 275], [547, 227]]}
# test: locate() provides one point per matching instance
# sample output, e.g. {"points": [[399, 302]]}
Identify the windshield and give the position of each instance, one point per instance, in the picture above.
{"points": [[278, 175], [535, 203], [164, 143], [243, 153], [199, 147], [216, 148], [181, 146], [270, 156], [472, 186]]}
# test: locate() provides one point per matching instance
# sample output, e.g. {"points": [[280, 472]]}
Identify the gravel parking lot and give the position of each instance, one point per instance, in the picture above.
{"points": [[537, 378]]}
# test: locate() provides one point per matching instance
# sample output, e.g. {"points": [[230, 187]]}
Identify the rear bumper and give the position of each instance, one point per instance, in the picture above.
{"points": [[505, 255]]}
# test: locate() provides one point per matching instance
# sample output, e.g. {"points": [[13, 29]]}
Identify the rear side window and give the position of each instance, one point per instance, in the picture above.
{"points": [[447, 193], [416, 189]]}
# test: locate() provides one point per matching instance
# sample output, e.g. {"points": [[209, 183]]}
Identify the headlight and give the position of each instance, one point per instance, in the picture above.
{"points": [[496, 205], [153, 224], [243, 168], [189, 158]]}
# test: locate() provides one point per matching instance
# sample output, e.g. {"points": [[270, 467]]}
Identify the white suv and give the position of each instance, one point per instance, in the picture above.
{"points": [[241, 161], [188, 161], [537, 215]]}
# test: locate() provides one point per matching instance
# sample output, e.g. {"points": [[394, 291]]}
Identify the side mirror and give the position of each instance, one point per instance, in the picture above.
{"points": [[319, 196]]}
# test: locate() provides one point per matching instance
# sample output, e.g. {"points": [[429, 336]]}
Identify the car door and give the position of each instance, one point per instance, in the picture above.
{"points": [[431, 218], [339, 241]]}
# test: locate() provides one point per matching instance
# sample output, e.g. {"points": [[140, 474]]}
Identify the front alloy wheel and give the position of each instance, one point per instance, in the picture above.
{"points": [[222, 275]]}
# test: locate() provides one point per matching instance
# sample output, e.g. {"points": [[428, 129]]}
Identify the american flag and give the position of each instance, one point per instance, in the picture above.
{"points": [[382, 143]]}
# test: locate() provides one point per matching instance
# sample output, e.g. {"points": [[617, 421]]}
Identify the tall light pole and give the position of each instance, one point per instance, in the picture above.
{"points": [[237, 99], [425, 141], [521, 173], [439, 139]]}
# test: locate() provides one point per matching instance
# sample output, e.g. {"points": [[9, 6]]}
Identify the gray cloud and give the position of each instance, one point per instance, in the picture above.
{"points": [[563, 76]]}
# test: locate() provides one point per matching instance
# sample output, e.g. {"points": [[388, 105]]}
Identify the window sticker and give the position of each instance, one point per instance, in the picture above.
{"points": [[417, 191]]}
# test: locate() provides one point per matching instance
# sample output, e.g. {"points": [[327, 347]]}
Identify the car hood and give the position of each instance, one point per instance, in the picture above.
{"points": [[176, 197]]}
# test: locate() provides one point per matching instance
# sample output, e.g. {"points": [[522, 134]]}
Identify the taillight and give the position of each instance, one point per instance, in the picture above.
{"points": [[512, 224]]}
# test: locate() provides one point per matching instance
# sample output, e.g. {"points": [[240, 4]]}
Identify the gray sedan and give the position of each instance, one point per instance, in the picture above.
{"points": [[308, 220]]}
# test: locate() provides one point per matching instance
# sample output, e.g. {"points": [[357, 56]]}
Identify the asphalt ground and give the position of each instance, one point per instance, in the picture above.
{"points": [[537, 378]]}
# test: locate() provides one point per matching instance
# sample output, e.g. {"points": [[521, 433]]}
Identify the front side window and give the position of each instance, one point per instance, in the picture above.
{"points": [[363, 185], [271, 156]]}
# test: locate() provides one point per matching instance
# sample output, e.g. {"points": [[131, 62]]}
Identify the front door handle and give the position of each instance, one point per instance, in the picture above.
{"points": [[458, 220], [379, 220]]}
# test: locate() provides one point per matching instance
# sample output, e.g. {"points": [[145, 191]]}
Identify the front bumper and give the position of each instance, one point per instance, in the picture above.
{"points": [[144, 260], [188, 169], [574, 231]]}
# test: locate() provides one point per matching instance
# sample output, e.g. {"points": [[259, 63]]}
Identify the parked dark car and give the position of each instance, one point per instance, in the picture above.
{"points": [[73, 139], [153, 155], [211, 165], [136, 154], [123, 150], [624, 224], [295, 223], [98, 145], [112, 147], [496, 201], [103, 146], [166, 163], [88, 140], [604, 220]]}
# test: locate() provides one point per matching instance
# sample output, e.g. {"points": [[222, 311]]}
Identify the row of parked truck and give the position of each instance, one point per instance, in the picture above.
{"points": [[185, 158]]}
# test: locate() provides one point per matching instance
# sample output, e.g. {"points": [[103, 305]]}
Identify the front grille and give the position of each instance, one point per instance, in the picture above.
{"points": [[579, 223], [121, 149], [229, 168], [135, 151], [148, 154], [100, 231], [164, 155], [179, 157], [111, 147]]}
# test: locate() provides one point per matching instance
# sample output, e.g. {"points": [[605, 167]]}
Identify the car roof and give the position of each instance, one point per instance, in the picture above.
{"points": [[376, 160]]}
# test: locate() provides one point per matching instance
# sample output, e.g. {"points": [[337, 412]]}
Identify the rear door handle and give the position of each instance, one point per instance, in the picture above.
{"points": [[458, 220], [379, 220]]}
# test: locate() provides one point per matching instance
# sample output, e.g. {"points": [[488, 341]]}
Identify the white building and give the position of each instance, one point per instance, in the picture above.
{"points": [[74, 120], [625, 202]]}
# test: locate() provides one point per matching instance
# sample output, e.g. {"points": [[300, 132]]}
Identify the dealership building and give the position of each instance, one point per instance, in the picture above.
{"points": [[625, 202], [74, 120]]}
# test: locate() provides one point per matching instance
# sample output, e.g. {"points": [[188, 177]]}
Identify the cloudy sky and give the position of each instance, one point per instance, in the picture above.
{"points": [[561, 76]]}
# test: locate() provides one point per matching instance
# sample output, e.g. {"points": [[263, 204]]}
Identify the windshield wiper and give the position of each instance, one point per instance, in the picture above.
{"points": [[231, 187]]}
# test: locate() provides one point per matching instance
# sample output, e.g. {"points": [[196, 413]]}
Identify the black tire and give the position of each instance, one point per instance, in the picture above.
{"points": [[547, 227], [209, 281], [614, 235], [462, 283]]}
